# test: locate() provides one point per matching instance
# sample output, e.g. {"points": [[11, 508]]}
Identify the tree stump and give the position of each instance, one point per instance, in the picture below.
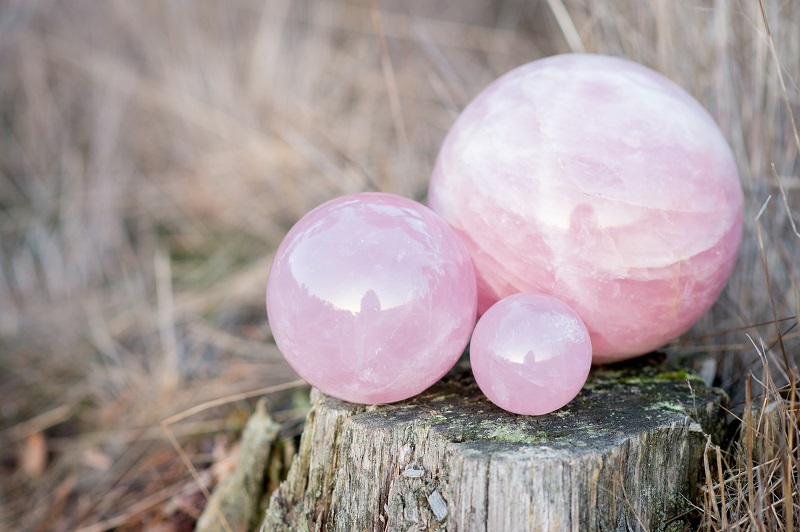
{"points": [[626, 454]]}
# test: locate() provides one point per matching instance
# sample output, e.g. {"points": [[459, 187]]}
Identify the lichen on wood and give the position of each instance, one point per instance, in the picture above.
{"points": [[625, 454]]}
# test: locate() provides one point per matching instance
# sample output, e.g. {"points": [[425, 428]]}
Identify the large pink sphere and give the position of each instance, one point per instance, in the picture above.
{"points": [[601, 182], [371, 298], [530, 354]]}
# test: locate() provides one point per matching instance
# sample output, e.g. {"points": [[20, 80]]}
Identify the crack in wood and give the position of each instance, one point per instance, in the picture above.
{"points": [[625, 454]]}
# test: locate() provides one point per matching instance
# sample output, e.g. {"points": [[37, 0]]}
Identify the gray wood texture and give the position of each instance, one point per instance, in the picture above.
{"points": [[626, 454], [234, 504]]}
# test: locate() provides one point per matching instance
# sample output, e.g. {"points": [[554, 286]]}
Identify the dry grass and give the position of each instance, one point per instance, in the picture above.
{"points": [[152, 154]]}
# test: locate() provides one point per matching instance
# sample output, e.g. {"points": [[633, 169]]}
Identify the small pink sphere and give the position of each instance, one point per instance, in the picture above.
{"points": [[530, 354], [601, 182], [371, 298]]}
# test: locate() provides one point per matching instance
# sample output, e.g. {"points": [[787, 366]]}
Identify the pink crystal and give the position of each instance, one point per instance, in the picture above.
{"points": [[601, 182], [371, 298], [530, 354]]}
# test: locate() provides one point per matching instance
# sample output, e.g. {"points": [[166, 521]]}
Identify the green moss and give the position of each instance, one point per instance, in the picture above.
{"points": [[666, 405], [585, 401], [681, 376], [517, 435], [607, 374], [501, 431], [667, 376], [440, 398]]}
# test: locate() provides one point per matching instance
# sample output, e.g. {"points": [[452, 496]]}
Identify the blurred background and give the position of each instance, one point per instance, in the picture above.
{"points": [[153, 154]]}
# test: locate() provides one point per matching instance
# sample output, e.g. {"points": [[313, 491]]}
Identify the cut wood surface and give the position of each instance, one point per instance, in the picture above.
{"points": [[625, 454]]}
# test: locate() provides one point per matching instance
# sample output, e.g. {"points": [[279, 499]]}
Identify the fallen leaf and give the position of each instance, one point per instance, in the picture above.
{"points": [[33, 456]]}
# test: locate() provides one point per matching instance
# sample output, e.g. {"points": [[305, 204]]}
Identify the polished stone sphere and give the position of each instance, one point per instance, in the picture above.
{"points": [[371, 298], [530, 354], [601, 182]]}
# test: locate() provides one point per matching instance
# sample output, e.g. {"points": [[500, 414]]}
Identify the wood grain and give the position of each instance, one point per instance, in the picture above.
{"points": [[625, 454]]}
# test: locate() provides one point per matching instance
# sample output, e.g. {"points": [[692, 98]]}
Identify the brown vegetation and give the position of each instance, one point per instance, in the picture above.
{"points": [[152, 154]]}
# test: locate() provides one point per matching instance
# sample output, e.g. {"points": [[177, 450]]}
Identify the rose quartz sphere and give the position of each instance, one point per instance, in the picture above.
{"points": [[601, 182], [530, 354], [371, 298]]}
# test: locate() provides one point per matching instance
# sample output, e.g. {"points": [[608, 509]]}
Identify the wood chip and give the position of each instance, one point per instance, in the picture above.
{"points": [[413, 473], [438, 506]]}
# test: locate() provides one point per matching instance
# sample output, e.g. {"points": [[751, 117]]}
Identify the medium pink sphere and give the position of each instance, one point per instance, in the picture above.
{"points": [[371, 298], [601, 182], [530, 354]]}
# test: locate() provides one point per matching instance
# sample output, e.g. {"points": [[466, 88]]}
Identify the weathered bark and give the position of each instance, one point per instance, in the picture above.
{"points": [[625, 454], [236, 498]]}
